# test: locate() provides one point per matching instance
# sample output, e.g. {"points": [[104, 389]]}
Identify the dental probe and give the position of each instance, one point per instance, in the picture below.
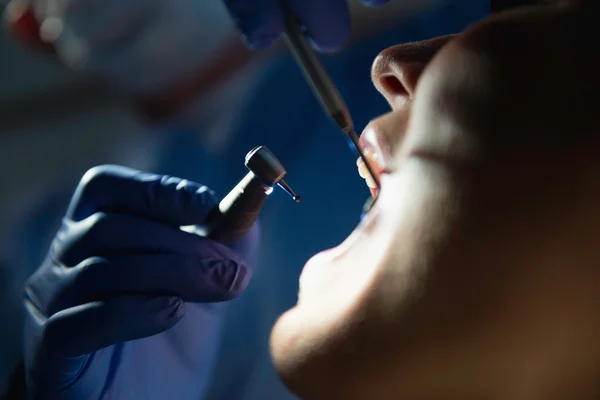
{"points": [[237, 212], [323, 86]]}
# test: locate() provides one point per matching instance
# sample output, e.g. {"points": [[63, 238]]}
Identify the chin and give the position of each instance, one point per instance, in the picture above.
{"points": [[302, 347], [310, 349], [291, 353], [282, 347]]}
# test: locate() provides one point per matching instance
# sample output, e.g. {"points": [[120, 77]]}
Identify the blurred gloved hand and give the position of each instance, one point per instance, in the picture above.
{"points": [[327, 22], [126, 303]]}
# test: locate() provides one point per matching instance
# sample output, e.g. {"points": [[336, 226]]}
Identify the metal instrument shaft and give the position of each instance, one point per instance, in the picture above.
{"points": [[323, 86]]}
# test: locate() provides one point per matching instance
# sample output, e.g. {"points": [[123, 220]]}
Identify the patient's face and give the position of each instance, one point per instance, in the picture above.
{"points": [[476, 274]]}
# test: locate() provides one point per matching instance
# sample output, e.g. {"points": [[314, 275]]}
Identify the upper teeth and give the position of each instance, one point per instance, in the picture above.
{"points": [[363, 171]]}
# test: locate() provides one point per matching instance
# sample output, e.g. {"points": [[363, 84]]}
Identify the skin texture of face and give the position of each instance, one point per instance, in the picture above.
{"points": [[476, 275]]}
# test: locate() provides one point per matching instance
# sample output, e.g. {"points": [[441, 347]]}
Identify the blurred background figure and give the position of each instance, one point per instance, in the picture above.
{"points": [[191, 101]]}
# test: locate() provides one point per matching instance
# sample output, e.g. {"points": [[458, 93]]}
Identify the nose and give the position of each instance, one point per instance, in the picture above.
{"points": [[396, 70]]}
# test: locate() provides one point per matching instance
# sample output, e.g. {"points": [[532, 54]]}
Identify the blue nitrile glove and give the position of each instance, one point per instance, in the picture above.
{"points": [[125, 306], [327, 22]]}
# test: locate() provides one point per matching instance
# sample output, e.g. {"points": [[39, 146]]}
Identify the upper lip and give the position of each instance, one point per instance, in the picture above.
{"points": [[382, 138]]}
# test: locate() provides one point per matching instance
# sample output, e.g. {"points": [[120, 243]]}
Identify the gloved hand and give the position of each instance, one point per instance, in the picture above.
{"points": [[327, 22], [125, 305]]}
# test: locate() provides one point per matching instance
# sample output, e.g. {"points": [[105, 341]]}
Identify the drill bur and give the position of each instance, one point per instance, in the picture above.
{"points": [[283, 184]]}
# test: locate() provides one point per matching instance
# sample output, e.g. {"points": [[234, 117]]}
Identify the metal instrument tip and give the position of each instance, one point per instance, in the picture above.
{"points": [[283, 184]]}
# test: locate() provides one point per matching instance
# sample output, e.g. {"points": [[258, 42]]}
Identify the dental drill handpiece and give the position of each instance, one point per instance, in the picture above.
{"points": [[237, 212], [323, 86]]}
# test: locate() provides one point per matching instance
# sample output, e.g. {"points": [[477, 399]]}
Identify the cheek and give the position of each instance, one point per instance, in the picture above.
{"points": [[435, 130]]}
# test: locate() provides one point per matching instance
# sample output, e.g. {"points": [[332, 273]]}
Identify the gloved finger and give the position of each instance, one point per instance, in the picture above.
{"points": [[90, 327], [375, 3], [327, 22], [170, 200], [109, 234], [260, 21], [191, 278]]}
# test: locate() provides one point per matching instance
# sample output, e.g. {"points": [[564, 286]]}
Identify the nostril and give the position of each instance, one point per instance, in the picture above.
{"points": [[392, 85]]}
